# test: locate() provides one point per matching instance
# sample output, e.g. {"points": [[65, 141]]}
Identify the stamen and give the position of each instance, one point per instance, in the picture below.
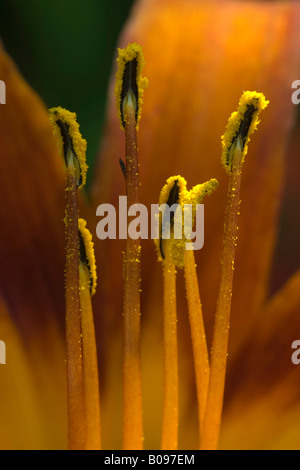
{"points": [[170, 408], [76, 409], [72, 148], [130, 84], [129, 92], [175, 192], [242, 123], [87, 278], [175, 254], [71, 145], [170, 195], [240, 126], [201, 361]]}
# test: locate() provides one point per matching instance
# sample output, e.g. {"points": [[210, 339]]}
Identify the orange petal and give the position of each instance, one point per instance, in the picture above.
{"points": [[200, 56], [32, 249], [32, 406], [264, 382], [32, 208], [18, 401], [287, 254]]}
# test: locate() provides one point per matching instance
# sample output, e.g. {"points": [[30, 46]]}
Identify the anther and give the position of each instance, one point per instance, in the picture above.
{"points": [[70, 142]]}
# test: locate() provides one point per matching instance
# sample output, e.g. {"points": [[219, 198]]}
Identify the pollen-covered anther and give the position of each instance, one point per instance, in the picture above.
{"points": [[87, 254], [242, 123], [130, 84], [72, 146], [174, 200]]}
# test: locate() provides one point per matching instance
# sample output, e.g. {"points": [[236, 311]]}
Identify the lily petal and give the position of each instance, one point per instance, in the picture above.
{"points": [[200, 57], [264, 381], [32, 253], [32, 208]]}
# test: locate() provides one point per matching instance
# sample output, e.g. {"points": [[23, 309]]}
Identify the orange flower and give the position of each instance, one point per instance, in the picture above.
{"points": [[200, 57]]}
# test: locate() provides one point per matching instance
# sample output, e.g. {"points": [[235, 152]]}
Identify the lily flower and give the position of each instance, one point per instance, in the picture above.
{"points": [[200, 57]]}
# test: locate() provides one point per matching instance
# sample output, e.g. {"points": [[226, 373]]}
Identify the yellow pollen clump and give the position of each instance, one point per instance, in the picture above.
{"points": [[131, 52], [78, 144], [89, 252], [242, 123], [175, 191]]}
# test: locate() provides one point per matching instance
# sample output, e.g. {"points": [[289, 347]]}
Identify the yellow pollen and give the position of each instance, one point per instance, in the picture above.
{"points": [[123, 91], [242, 123], [193, 197], [78, 144], [89, 252]]}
